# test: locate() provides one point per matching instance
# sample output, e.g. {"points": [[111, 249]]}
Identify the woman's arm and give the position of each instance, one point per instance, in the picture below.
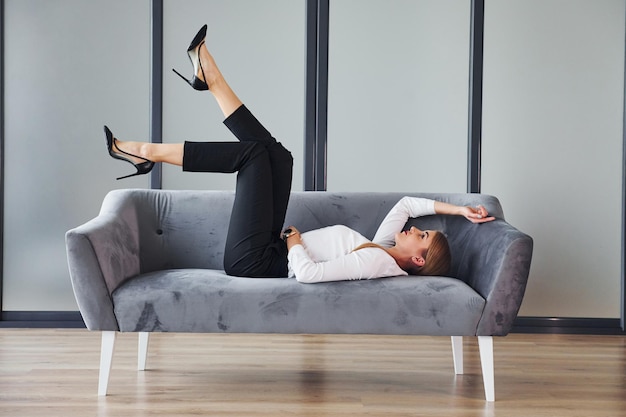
{"points": [[365, 263], [351, 265], [345, 268], [292, 237], [408, 207], [397, 217], [308, 271], [473, 214]]}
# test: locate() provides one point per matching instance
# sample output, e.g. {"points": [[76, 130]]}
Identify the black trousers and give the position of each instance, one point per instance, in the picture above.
{"points": [[264, 171]]}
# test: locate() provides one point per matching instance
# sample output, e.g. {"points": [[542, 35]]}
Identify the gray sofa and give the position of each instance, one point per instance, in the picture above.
{"points": [[151, 261]]}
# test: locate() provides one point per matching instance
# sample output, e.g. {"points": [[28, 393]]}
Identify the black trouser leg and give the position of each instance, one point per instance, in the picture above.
{"points": [[247, 128], [264, 167]]}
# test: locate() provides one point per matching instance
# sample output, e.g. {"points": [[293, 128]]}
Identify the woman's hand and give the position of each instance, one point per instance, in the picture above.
{"points": [[476, 214], [473, 214], [291, 236]]}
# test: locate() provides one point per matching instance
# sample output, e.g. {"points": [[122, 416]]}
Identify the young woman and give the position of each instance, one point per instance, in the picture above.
{"points": [[255, 246]]}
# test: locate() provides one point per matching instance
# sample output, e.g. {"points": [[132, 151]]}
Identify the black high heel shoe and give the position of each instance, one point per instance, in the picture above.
{"points": [[142, 167], [194, 55]]}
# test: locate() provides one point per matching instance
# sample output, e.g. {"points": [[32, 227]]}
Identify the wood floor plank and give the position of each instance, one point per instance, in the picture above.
{"points": [[49, 372]]}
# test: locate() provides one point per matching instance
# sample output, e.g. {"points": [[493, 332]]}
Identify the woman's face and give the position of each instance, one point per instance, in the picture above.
{"points": [[415, 241]]}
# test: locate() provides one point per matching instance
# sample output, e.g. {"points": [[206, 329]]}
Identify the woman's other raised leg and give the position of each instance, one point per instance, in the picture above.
{"points": [[246, 127], [170, 153], [173, 153], [226, 98]]}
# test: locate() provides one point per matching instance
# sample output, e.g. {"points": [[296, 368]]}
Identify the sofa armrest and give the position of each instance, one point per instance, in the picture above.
{"points": [[102, 253], [496, 264]]}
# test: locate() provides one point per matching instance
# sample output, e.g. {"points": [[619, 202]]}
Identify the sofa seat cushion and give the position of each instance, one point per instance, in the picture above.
{"points": [[204, 300]]}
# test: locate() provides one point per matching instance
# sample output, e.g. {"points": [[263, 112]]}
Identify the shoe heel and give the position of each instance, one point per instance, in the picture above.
{"points": [[142, 168], [134, 174], [127, 176], [181, 76]]}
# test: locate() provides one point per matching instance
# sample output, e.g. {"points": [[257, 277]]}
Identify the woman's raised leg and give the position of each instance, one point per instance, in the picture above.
{"points": [[253, 247], [170, 153], [226, 98]]}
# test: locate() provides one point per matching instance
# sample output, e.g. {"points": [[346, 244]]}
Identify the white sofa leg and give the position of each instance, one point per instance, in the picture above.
{"points": [[457, 354], [142, 351], [106, 359], [485, 345]]}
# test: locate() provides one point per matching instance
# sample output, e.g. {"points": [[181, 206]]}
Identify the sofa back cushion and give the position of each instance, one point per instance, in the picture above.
{"points": [[187, 229]]}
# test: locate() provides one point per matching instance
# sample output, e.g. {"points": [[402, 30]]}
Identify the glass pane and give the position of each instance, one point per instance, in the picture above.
{"points": [[552, 145], [398, 95], [70, 67]]}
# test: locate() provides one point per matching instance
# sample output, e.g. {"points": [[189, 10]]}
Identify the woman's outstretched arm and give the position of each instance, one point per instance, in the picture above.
{"points": [[473, 214]]}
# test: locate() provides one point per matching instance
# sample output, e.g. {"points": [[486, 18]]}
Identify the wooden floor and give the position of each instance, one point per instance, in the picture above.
{"points": [[55, 373]]}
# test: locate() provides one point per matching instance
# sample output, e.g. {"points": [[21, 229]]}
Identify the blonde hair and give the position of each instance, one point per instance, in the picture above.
{"points": [[437, 261], [438, 258]]}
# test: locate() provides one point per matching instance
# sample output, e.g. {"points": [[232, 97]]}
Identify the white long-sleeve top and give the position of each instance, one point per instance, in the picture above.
{"points": [[326, 254]]}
